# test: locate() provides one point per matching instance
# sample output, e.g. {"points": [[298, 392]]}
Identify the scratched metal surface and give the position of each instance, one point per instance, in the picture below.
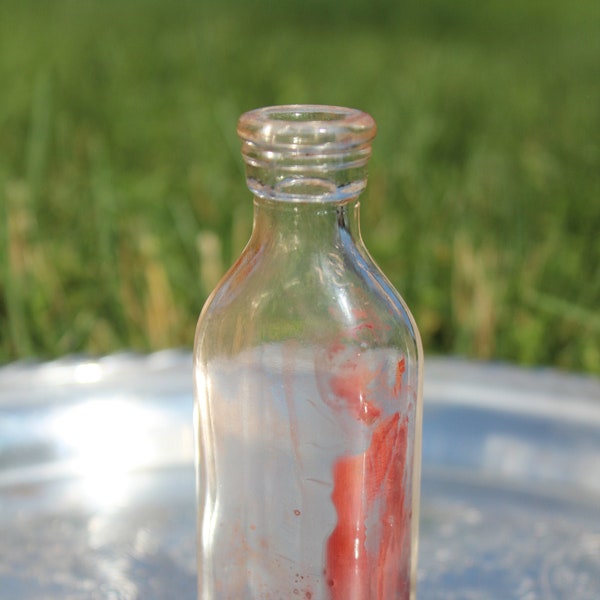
{"points": [[97, 483]]}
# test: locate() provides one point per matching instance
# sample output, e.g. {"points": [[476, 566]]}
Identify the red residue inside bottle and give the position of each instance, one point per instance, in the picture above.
{"points": [[367, 485]]}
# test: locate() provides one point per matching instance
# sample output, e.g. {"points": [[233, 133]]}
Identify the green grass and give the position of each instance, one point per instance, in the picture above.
{"points": [[122, 196]]}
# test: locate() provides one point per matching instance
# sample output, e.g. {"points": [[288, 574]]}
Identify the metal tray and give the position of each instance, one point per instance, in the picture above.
{"points": [[97, 483]]}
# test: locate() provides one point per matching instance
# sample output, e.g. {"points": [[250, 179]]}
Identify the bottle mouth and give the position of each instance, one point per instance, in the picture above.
{"points": [[306, 152], [306, 127]]}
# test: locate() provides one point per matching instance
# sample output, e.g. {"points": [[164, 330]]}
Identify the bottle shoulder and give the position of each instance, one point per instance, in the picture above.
{"points": [[270, 296]]}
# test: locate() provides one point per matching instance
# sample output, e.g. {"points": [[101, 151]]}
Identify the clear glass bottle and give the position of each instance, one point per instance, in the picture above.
{"points": [[307, 368]]}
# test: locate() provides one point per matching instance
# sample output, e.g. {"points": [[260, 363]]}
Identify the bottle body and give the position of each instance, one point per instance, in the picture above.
{"points": [[307, 383]]}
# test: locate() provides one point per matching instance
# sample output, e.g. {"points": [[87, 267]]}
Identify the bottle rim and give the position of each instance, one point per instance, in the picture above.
{"points": [[302, 127]]}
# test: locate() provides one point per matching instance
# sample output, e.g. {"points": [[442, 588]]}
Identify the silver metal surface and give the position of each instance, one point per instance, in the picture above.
{"points": [[97, 482]]}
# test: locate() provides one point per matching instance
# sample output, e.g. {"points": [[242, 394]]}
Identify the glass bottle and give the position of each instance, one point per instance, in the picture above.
{"points": [[307, 367]]}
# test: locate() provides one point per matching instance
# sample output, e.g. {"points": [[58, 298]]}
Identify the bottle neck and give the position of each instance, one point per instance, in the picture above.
{"points": [[306, 226], [306, 166]]}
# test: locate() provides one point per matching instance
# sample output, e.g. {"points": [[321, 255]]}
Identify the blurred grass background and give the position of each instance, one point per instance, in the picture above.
{"points": [[122, 196]]}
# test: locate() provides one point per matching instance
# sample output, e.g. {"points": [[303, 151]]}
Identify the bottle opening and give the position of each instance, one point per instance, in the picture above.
{"points": [[288, 148], [307, 114], [306, 125]]}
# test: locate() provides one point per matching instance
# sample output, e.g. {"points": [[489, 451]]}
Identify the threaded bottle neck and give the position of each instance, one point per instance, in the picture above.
{"points": [[306, 153]]}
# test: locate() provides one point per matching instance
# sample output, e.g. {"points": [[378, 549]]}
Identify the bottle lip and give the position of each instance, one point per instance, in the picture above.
{"points": [[302, 127]]}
